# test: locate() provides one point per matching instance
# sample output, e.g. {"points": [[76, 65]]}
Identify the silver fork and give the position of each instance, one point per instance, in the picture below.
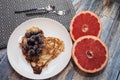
{"points": [[59, 12]]}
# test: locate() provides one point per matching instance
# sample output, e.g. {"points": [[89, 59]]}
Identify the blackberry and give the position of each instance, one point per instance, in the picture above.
{"points": [[31, 52], [27, 35]]}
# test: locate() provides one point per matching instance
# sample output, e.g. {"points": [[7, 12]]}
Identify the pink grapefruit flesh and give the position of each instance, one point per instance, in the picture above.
{"points": [[85, 23], [90, 54]]}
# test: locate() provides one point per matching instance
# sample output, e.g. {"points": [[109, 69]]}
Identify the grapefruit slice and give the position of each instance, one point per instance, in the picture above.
{"points": [[90, 54], [85, 23]]}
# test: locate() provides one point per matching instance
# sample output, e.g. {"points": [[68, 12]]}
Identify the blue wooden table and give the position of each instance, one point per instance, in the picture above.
{"points": [[110, 18]]}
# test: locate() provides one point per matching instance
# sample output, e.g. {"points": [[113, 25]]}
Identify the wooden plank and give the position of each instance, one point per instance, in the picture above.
{"points": [[64, 73], [114, 57], [74, 2], [88, 5], [118, 77], [2, 54], [111, 12], [84, 5], [108, 23]]}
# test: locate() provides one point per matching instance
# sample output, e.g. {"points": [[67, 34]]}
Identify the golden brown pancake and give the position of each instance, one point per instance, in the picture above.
{"points": [[40, 50]]}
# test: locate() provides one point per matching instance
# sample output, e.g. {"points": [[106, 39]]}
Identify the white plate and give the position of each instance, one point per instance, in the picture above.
{"points": [[51, 28]]}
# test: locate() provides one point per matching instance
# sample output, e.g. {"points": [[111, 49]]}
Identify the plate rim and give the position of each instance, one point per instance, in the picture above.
{"points": [[19, 71]]}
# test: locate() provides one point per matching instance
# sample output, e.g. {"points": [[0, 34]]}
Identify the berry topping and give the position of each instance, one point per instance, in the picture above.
{"points": [[31, 52], [27, 35]]}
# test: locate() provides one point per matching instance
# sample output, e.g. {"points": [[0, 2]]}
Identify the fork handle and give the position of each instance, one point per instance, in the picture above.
{"points": [[24, 11], [37, 13]]}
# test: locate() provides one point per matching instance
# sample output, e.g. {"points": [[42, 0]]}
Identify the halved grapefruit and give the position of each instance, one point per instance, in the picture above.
{"points": [[90, 54], [85, 23]]}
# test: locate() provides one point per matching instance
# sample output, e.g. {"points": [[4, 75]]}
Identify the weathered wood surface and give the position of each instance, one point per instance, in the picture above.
{"points": [[110, 19]]}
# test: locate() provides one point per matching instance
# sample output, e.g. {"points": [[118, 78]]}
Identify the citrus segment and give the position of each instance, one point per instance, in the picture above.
{"points": [[90, 54], [85, 23]]}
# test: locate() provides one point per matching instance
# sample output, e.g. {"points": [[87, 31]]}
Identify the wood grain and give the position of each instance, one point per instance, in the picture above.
{"points": [[110, 35], [110, 31], [109, 17]]}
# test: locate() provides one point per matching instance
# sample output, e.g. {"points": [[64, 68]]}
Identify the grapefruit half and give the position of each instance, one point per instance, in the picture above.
{"points": [[90, 54], [85, 23]]}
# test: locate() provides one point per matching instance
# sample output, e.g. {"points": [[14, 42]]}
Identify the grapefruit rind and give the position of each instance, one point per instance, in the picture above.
{"points": [[76, 61], [84, 12]]}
